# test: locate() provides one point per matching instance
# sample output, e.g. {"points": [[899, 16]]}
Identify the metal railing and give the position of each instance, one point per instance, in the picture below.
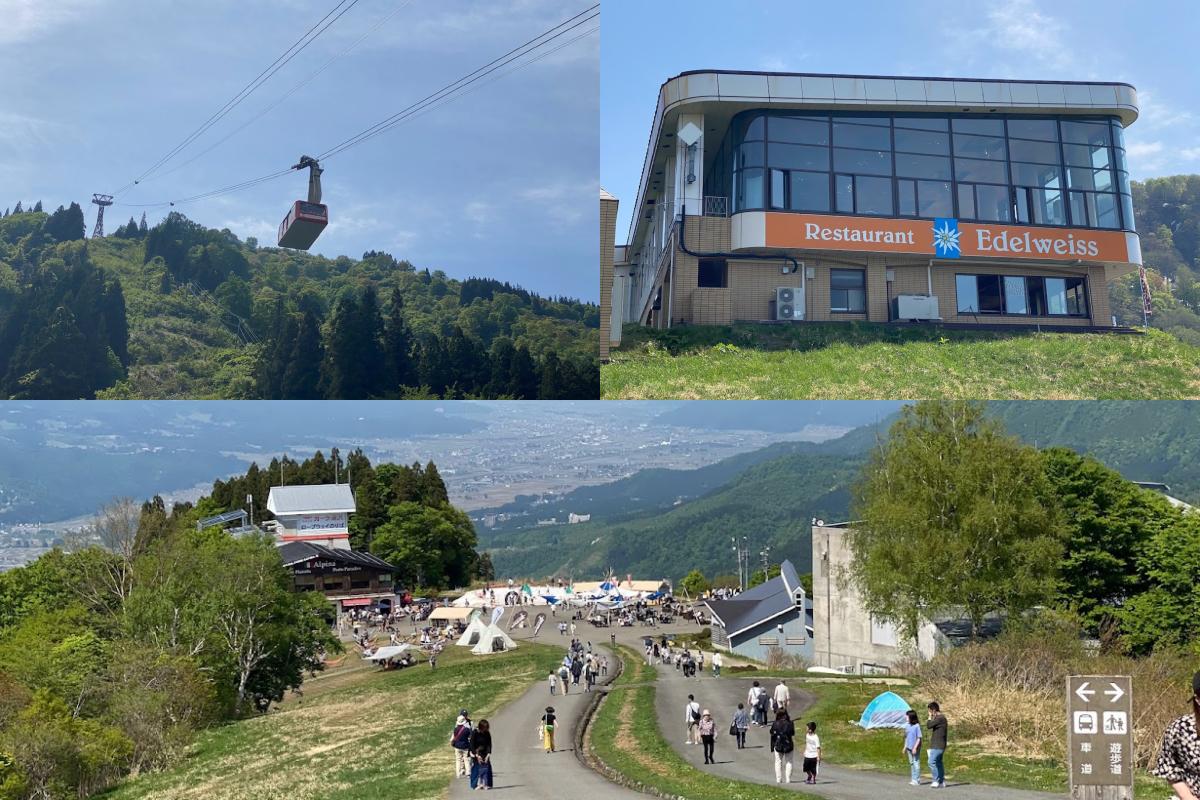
{"points": [[716, 206]]}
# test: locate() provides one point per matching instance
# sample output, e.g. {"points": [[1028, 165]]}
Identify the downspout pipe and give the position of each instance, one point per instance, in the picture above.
{"points": [[747, 256]]}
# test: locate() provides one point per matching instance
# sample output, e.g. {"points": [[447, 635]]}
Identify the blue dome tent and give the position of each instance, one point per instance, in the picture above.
{"points": [[888, 710]]}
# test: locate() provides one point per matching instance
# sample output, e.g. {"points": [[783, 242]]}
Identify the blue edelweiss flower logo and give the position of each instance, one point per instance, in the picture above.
{"points": [[945, 238]]}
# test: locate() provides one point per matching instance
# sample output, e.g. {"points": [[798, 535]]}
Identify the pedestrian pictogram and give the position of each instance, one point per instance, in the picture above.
{"points": [[1100, 736]]}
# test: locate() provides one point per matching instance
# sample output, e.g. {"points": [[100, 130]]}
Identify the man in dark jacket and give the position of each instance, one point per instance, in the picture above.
{"points": [[783, 733], [938, 729]]}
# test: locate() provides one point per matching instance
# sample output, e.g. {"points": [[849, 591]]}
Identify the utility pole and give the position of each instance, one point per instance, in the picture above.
{"points": [[766, 552], [103, 201]]}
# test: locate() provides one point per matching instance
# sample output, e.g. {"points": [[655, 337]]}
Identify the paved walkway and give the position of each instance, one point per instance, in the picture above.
{"points": [[522, 769], [755, 764]]}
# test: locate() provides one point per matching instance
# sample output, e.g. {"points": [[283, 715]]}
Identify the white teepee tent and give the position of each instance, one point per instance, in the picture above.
{"points": [[472, 634], [493, 640]]}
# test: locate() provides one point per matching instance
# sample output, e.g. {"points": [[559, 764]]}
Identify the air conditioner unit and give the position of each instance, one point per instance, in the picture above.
{"points": [[789, 303], [915, 306]]}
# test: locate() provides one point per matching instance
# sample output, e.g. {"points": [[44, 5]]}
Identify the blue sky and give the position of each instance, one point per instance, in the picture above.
{"points": [[1151, 45], [500, 183]]}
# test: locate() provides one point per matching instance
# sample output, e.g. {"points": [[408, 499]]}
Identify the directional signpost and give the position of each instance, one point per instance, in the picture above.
{"points": [[1100, 737]]}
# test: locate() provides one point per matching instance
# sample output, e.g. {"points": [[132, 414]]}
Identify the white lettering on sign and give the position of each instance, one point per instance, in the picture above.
{"points": [[815, 232], [321, 522], [1004, 242]]}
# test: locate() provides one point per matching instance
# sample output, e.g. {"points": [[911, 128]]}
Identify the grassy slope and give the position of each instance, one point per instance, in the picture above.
{"points": [[625, 736], [374, 734], [876, 361]]}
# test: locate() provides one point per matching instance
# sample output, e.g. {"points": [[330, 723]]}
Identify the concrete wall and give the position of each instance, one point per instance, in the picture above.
{"points": [[841, 625], [608, 228], [751, 283]]}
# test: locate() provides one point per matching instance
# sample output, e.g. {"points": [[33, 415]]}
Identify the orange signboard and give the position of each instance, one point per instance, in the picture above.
{"points": [[943, 238]]}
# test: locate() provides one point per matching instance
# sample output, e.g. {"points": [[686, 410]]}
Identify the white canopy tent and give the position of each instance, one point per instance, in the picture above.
{"points": [[472, 634], [390, 651], [493, 640]]}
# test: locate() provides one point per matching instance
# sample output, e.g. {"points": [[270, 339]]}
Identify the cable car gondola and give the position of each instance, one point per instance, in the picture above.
{"points": [[305, 221]]}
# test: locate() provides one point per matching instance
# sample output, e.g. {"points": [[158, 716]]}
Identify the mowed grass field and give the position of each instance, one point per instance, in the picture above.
{"points": [[356, 732], [876, 361]]}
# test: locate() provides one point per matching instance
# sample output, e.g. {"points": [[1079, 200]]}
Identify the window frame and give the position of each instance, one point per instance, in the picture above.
{"points": [[862, 273], [1076, 286]]}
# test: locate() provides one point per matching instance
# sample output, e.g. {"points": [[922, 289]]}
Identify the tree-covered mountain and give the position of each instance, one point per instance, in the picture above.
{"points": [[777, 491], [189, 311]]}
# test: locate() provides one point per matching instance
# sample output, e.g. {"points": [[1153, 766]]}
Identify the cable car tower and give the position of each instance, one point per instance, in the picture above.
{"points": [[102, 200]]}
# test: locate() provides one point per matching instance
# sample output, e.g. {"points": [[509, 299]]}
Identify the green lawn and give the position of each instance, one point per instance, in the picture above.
{"points": [[379, 734], [877, 361]]}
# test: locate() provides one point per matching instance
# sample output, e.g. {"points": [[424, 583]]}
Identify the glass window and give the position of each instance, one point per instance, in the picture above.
{"points": [[872, 195], [935, 199], [966, 201], [810, 191], [923, 123], [1076, 297], [1123, 182], [1036, 175], [1014, 295], [1106, 211], [931, 142], [1056, 295], [1035, 289], [968, 294], [1043, 129], [864, 136], [803, 131], [1079, 209], [1095, 133], [992, 204], [1048, 207], [756, 128], [778, 188], [844, 187], [748, 155], [848, 290], [906, 192], [871, 162], [750, 189], [711, 273], [1127, 211], [991, 294], [864, 119], [1118, 132], [1119, 160], [979, 147], [1041, 152], [797, 156], [972, 169], [990, 127], [912, 166], [1082, 155]]}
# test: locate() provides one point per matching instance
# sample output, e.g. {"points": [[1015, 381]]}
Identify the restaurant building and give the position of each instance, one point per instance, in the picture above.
{"points": [[804, 197], [318, 513], [349, 578]]}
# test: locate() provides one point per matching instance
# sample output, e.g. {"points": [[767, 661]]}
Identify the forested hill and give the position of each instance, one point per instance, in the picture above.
{"points": [[773, 494], [178, 310]]}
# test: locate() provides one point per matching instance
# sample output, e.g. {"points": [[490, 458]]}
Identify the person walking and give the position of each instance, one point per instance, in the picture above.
{"points": [[812, 753], [939, 728], [717, 663], [708, 735], [553, 682], [912, 747], [691, 717], [783, 735], [460, 741], [481, 756], [1179, 759], [757, 702], [564, 679], [782, 696], [548, 729], [741, 722]]}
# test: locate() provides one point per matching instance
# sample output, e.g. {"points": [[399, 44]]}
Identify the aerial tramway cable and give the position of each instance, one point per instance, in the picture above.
{"points": [[448, 93], [304, 41]]}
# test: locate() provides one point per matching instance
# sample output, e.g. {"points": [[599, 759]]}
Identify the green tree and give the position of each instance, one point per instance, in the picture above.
{"points": [[1167, 614], [694, 583], [952, 519], [302, 376], [758, 576], [397, 344], [431, 547]]}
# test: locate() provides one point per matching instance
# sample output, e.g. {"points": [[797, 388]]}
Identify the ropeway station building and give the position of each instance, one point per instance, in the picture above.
{"points": [[803, 197]]}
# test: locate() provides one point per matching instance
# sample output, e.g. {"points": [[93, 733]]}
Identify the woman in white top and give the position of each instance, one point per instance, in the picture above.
{"points": [[812, 753]]}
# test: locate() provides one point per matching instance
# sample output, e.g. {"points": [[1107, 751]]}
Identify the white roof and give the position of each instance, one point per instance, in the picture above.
{"points": [[391, 651], [327, 498], [448, 612]]}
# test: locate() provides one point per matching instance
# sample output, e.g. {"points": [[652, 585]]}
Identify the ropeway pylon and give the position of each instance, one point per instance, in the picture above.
{"points": [[102, 200]]}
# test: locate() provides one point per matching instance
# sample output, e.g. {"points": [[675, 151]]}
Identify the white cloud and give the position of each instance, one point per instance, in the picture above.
{"points": [[1156, 115], [28, 19], [1144, 149], [1190, 153], [479, 212]]}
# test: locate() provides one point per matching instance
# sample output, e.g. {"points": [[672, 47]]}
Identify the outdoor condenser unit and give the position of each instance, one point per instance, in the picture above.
{"points": [[915, 306], [789, 303]]}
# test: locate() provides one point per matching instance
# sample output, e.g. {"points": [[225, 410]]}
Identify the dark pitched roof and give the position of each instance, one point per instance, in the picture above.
{"points": [[760, 604], [298, 552]]}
